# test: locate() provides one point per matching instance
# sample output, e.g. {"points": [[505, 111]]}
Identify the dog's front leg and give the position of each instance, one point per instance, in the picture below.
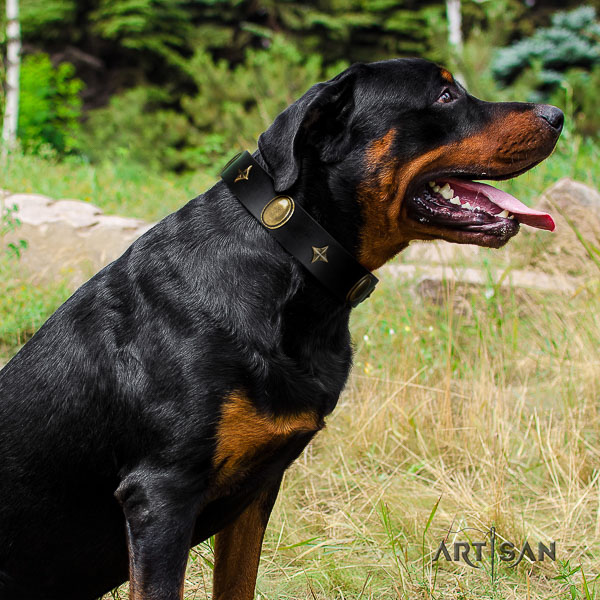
{"points": [[159, 516], [237, 549]]}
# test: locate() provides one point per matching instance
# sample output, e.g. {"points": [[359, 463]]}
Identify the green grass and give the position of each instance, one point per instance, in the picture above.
{"points": [[476, 411], [117, 188], [24, 306]]}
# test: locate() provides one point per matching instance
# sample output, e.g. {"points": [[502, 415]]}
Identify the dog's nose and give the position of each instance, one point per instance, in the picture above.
{"points": [[552, 115]]}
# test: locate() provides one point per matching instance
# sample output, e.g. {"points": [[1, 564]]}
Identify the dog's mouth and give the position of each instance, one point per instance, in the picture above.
{"points": [[475, 212]]}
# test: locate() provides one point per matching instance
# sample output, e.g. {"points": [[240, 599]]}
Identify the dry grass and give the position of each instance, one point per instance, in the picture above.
{"points": [[492, 411]]}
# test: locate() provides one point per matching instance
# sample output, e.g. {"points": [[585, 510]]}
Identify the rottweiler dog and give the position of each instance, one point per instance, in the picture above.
{"points": [[162, 403]]}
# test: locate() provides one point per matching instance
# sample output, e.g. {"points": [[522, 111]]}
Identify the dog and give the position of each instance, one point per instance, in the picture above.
{"points": [[161, 404]]}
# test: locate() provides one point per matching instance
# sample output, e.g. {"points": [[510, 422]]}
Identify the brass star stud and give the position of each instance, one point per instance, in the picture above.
{"points": [[242, 175], [319, 254]]}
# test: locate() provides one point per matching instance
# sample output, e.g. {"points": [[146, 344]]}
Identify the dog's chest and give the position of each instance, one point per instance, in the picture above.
{"points": [[248, 440]]}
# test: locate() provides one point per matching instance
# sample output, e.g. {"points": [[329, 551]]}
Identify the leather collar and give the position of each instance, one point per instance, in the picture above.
{"points": [[297, 232]]}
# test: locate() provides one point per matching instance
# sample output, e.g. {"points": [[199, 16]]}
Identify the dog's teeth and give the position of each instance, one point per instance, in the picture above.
{"points": [[455, 200], [504, 214], [511, 216], [447, 192], [436, 188], [432, 184]]}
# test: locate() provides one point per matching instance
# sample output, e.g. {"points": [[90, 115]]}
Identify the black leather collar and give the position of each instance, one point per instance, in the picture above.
{"points": [[297, 232]]}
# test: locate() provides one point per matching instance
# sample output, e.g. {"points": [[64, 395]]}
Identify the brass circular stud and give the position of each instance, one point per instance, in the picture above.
{"points": [[277, 212]]}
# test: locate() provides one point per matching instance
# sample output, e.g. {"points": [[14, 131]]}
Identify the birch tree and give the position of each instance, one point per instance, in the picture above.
{"points": [[13, 60], [454, 24]]}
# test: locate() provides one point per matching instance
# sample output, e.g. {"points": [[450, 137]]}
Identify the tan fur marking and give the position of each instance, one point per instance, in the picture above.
{"points": [[237, 554], [447, 75], [243, 431], [380, 148]]}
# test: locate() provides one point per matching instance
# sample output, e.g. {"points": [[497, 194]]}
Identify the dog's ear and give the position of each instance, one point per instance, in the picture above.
{"points": [[319, 119]]}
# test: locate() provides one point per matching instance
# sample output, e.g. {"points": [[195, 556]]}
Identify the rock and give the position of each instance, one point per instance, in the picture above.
{"points": [[140, 231], [576, 210], [567, 191], [26, 201], [440, 252], [75, 239], [431, 278], [76, 213], [69, 238], [35, 215], [115, 222]]}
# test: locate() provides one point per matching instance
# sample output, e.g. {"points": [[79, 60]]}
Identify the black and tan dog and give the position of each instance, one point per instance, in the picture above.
{"points": [[163, 401]]}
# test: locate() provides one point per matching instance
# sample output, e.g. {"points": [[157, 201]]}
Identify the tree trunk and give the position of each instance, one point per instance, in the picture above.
{"points": [[13, 63], [454, 23]]}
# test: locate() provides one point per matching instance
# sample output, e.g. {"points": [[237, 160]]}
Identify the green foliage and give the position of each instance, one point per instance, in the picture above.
{"points": [[359, 30], [49, 104], [160, 27], [577, 95], [135, 128], [573, 40], [9, 222], [231, 108], [493, 22], [117, 187], [182, 84], [47, 20]]}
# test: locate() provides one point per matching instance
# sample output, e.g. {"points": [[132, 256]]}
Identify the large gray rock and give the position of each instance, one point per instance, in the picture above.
{"points": [[68, 238], [25, 201], [576, 211]]}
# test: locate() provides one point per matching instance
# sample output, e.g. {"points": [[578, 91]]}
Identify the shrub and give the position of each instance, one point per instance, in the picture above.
{"points": [[49, 104], [573, 40], [228, 112], [236, 105], [135, 128]]}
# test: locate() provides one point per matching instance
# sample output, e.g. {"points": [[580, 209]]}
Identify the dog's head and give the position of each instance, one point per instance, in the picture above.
{"points": [[403, 141]]}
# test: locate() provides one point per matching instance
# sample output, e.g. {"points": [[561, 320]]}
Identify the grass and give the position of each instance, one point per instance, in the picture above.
{"points": [[24, 306], [117, 188], [492, 414], [477, 411]]}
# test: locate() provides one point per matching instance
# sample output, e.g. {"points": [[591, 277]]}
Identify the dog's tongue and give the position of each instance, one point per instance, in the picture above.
{"points": [[523, 214]]}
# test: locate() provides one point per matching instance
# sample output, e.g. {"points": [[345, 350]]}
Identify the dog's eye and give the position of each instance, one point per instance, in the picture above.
{"points": [[445, 97]]}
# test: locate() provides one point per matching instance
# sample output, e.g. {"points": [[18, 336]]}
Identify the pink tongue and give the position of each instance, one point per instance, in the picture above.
{"points": [[523, 213]]}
